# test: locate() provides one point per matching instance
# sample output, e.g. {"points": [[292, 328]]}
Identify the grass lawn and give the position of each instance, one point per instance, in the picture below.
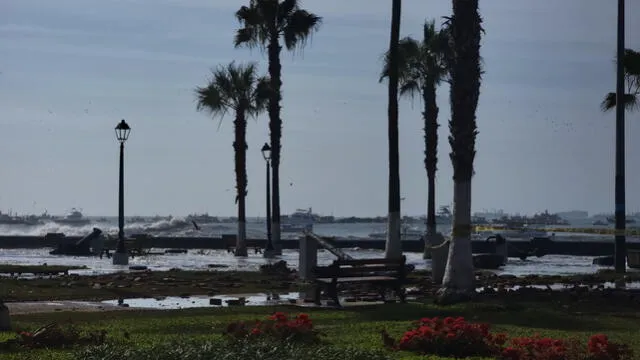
{"points": [[352, 326]]}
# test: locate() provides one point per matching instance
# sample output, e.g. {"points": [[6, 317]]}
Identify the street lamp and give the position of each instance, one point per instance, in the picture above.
{"points": [[121, 257], [266, 154]]}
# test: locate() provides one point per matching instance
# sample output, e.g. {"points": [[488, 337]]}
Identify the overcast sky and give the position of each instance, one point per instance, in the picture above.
{"points": [[71, 69]]}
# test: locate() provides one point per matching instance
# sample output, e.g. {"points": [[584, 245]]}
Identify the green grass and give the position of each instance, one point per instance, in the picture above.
{"points": [[356, 327]]}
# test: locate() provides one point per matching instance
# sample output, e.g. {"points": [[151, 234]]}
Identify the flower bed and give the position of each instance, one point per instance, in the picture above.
{"points": [[279, 326], [455, 337]]}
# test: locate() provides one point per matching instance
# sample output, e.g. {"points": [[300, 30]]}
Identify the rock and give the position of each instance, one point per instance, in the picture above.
{"points": [[603, 261], [488, 261], [137, 279], [217, 266], [215, 302], [236, 302], [97, 286]]}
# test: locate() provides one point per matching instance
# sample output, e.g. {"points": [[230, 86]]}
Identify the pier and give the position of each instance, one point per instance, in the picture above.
{"points": [[575, 247]]}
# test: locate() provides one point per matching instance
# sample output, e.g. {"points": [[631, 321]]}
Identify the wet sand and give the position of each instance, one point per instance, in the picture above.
{"points": [[31, 307]]}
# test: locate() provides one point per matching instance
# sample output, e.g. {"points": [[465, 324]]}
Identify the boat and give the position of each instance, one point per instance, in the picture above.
{"points": [[599, 223], [300, 220], [202, 218], [612, 220], [9, 219], [74, 217], [522, 233]]}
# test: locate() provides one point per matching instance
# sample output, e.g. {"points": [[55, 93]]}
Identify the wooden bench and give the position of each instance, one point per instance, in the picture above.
{"points": [[381, 273]]}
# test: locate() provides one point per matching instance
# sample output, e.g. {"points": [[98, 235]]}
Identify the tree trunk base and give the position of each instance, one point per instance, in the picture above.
{"points": [[439, 256], [242, 252], [5, 318], [450, 296]]}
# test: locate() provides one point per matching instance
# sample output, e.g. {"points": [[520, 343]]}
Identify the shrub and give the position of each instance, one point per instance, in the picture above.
{"points": [[54, 336], [454, 337], [277, 327]]}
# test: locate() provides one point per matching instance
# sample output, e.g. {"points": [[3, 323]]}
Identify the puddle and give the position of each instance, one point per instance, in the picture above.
{"points": [[175, 302]]}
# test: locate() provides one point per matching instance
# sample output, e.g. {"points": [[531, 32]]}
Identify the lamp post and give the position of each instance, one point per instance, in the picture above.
{"points": [[266, 154], [620, 248], [121, 257]]}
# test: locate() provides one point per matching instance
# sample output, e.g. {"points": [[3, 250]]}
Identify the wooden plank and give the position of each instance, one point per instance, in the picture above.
{"points": [[358, 279], [379, 261], [363, 271]]}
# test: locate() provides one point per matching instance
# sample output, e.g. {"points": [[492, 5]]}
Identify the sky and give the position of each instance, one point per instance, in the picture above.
{"points": [[70, 70]]}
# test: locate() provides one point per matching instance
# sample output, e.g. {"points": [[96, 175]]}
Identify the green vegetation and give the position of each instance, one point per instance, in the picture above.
{"points": [[351, 331]]}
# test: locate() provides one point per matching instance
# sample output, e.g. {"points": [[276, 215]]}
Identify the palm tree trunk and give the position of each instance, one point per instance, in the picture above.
{"points": [[240, 147], [431, 151], [393, 248], [466, 27], [275, 128]]}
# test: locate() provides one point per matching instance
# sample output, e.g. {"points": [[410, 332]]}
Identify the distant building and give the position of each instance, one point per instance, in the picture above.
{"points": [[490, 215], [574, 215]]}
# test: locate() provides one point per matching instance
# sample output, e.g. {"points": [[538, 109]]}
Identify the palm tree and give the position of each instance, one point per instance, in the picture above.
{"points": [[631, 66], [236, 88], [264, 23], [393, 246], [466, 32], [422, 68]]}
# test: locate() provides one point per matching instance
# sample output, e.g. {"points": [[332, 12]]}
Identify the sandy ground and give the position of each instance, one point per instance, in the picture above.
{"points": [[31, 307]]}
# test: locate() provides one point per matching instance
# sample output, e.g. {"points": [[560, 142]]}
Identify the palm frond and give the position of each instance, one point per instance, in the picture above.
{"points": [[232, 87], [631, 102], [300, 26], [410, 87], [286, 9], [210, 100], [252, 34], [631, 63], [260, 95], [408, 51]]}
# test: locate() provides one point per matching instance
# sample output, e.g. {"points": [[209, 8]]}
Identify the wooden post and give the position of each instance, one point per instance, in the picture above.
{"points": [[308, 258]]}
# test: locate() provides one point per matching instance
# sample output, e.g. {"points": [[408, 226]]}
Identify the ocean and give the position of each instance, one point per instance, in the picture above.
{"points": [[256, 229], [201, 259]]}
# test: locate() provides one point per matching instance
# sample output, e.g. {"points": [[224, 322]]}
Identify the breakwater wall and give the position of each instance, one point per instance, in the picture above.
{"points": [[536, 246]]}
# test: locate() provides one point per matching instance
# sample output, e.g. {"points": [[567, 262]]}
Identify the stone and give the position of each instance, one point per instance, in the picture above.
{"points": [[215, 302]]}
